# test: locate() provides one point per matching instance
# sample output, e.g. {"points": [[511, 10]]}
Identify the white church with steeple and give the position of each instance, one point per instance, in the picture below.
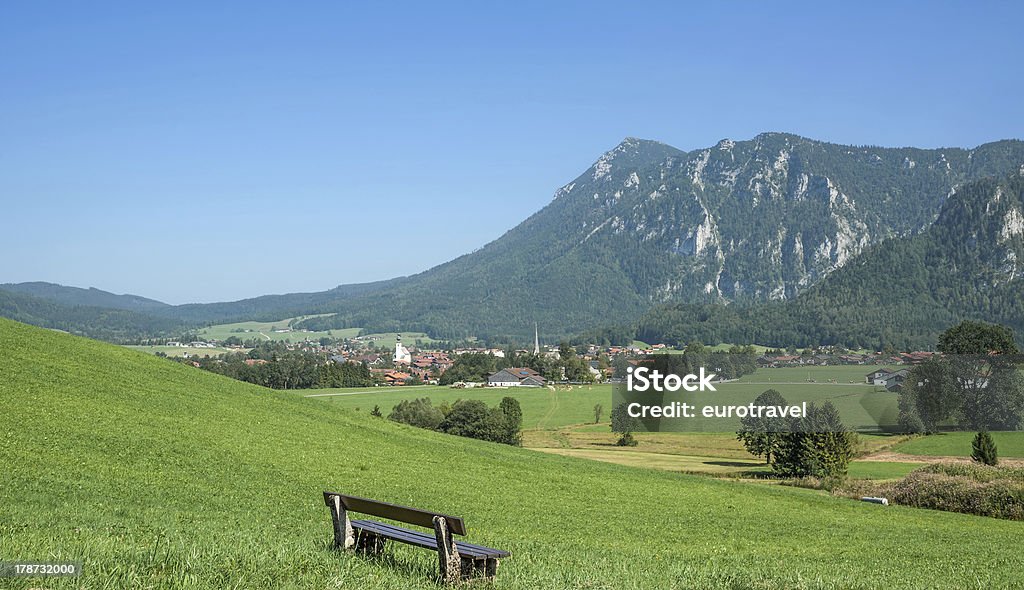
{"points": [[402, 355]]}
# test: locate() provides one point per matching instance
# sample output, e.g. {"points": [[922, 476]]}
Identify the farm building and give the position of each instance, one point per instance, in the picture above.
{"points": [[516, 377]]}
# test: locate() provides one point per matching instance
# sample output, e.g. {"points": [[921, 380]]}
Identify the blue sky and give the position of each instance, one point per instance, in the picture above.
{"points": [[195, 153]]}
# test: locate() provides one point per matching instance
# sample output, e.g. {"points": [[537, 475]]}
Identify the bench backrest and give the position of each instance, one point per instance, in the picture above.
{"points": [[406, 514]]}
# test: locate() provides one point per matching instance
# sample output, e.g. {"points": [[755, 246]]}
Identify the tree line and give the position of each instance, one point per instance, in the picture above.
{"points": [[468, 418], [272, 365]]}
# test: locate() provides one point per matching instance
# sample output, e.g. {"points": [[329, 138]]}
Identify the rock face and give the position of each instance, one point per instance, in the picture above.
{"points": [[755, 220], [741, 221]]}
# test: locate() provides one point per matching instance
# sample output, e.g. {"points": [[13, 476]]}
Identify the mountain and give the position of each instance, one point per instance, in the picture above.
{"points": [[740, 223], [968, 264], [745, 222], [91, 297]]}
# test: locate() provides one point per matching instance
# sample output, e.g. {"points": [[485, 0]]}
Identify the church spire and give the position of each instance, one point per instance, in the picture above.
{"points": [[536, 339]]}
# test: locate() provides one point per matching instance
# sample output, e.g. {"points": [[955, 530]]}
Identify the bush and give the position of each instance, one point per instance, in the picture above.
{"points": [[967, 488], [469, 418], [473, 419], [417, 412], [984, 449]]}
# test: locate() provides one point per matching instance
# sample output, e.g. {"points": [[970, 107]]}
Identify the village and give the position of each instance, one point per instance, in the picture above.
{"points": [[414, 365]]}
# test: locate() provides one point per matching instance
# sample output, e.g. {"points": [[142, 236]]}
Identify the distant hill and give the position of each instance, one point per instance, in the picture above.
{"points": [[91, 297], [114, 325], [122, 318], [156, 474], [968, 264]]}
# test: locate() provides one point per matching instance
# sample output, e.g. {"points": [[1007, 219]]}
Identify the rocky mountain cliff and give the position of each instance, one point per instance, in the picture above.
{"points": [[967, 265]]}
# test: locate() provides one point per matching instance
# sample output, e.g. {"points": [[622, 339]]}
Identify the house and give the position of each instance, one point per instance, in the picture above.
{"points": [[870, 377], [370, 359], [396, 377], [516, 377], [891, 380]]}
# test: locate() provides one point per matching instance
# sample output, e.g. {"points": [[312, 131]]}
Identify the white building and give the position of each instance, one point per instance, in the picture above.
{"points": [[402, 355]]}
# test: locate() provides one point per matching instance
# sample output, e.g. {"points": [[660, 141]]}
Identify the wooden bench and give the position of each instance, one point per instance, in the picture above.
{"points": [[456, 561]]}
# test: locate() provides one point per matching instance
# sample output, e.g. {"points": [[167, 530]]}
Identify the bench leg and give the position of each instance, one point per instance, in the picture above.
{"points": [[369, 543], [343, 536], [471, 568], [447, 553], [479, 568]]}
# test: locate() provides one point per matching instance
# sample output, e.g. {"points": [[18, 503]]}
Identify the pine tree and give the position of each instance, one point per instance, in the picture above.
{"points": [[984, 449]]}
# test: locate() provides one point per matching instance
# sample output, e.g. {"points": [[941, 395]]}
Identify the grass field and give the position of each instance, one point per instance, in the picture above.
{"points": [[387, 340], [860, 405], [843, 374], [182, 350], [542, 408], [561, 422], [717, 465], [265, 331], [958, 444], [158, 475]]}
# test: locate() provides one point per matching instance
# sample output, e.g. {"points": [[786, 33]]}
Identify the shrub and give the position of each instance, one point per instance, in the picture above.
{"points": [[417, 412], [984, 449], [970, 489], [472, 418]]}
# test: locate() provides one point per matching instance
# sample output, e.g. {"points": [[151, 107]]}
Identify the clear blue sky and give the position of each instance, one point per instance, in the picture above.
{"points": [[190, 153]]}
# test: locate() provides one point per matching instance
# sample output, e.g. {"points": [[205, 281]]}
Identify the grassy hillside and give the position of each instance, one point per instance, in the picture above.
{"points": [[159, 475]]}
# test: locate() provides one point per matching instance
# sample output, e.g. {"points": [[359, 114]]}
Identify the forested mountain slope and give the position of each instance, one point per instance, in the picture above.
{"points": [[903, 292]]}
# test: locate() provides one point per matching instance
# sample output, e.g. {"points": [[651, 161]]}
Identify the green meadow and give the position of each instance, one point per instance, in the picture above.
{"points": [[958, 444], [388, 339], [159, 475], [562, 422], [182, 350], [269, 331], [542, 407]]}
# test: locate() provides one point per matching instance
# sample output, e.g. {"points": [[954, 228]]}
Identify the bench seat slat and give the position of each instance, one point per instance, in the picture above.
{"points": [[385, 527], [425, 540]]}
